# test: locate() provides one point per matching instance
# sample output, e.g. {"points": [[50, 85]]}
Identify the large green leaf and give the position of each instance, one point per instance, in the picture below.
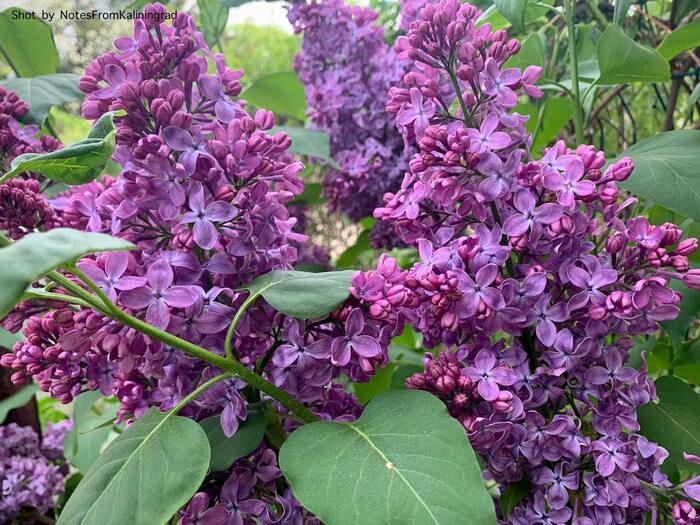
{"points": [[78, 163], [35, 255], [303, 295], [16, 400], [521, 12], [83, 444], [213, 16], [43, 92], [224, 451], [622, 60], [689, 310], [673, 422], [405, 460], [27, 44], [666, 171], [280, 92], [307, 142], [681, 39], [144, 476]]}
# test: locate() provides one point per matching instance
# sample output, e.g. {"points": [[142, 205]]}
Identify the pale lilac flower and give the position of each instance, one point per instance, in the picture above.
{"points": [[418, 113], [486, 137], [112, 278], [528, 216]]}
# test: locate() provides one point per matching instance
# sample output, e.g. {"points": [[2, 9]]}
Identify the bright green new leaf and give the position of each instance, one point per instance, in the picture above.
{"points": [[83, 445], [144, 476], [280, 92], [521, 12], [405, 460], [213, 16], [492, 16], [622, 60], [673, 422], [16, 400], [27, 45], [666, 171], [78, 163], [35, 255], [307, 142], [303, 295], [681, 39], [44, 92], [224, 451]]}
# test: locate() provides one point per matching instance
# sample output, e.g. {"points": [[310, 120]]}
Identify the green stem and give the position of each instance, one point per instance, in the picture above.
{"points": [[95, 288], [49, 296], [458, 90], [228, 351], [197, 391], [228, 365], [597, 13], [573, 65]]}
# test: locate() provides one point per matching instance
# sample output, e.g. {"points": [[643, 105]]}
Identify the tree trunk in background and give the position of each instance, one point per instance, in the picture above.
{"points": [[28, 415]]}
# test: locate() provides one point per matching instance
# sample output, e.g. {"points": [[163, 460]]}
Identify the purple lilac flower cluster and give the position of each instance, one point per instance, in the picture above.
{"points": [[22, 206], [29, 481], [347, 69], [528, 269], [202, 194]]}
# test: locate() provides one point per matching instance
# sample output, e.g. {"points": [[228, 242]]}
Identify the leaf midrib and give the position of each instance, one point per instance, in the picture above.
{"points": [[394, 468]]}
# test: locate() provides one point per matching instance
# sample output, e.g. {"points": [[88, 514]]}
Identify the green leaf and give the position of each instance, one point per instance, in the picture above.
{"points": [[520, 12], [8, 339], [349, 258], [492, 16], [681, 39], [44, 92], [620, 11], [546, 121], [688, 354], [27, 44], [280, 92], [666, 171], [689, 311], [531, 53], [16, 400], [78, 163], [303, 295], [312, 194], [514, 495], [224, 451], [213, 16], [673, 422], [35, 255], [380, 382], [405, 460], [622, 60], [81, 447], [307, 142], [144, 476]]}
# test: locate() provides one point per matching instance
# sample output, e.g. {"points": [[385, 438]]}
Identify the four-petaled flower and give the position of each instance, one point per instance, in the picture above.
{"points": [[529, 216], [112, 278], [203, 216], [488, 376], [486, 137], [340, 349]]}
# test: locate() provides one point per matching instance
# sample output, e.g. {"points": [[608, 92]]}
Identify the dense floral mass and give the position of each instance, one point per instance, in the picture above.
{"points": [[347, 69], [533, 274]]}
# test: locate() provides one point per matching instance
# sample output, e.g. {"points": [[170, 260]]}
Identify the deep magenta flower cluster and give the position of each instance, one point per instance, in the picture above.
{"points": [[22, 206], [31, 474], [347, 69], [534, 273], [202, 194]]}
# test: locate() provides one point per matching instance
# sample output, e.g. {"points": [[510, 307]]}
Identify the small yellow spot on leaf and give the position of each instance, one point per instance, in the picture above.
{"points": [[389, 465]]}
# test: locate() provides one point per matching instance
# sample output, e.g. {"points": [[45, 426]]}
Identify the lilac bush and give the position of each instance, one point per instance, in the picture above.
{"points": [[534, 274]]}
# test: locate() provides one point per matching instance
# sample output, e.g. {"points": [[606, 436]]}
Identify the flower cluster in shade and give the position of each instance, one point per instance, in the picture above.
{"points": [[31, 473], [347, 69], [535, 274], [22, 206], [203, 194]]}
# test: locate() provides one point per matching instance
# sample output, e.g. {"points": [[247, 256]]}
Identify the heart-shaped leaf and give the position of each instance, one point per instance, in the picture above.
{"points": [[224, 451], [144, 476], [405, 460], [307, 142], [33, 256], [622, 60], [666, 171], [78, 163], [303, 295], [673, 422], [280, 92], [43, 92], [26, 44]]}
